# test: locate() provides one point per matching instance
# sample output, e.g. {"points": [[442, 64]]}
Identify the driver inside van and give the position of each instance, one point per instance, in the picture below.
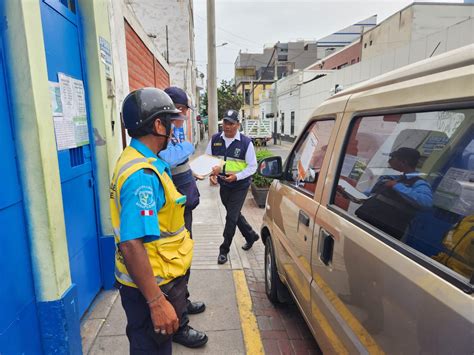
{"points": [[395, 200]]}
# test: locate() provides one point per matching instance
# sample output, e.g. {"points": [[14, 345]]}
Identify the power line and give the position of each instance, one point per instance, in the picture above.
{"points": [[231, 33]]}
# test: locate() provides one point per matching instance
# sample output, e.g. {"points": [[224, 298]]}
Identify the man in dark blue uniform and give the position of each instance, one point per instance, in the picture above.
{"points": [[234, 179], [177, 156]]}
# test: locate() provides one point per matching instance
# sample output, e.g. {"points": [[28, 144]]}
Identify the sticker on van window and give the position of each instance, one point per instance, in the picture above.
{"points": [[305, 160]]}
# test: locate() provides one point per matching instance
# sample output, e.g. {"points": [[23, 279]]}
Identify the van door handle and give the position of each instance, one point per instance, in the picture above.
{"points": [[326, 247], [303, 218]]}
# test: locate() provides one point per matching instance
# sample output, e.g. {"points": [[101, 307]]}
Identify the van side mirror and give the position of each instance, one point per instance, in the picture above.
{"points": [[271, 167]]}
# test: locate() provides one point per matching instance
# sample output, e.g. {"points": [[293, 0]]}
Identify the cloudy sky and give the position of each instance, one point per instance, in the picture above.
{"points": [[249, 25]]}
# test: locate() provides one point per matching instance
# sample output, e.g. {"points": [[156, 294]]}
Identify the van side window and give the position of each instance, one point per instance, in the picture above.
{"points": [[307, 158], [411, 176]]}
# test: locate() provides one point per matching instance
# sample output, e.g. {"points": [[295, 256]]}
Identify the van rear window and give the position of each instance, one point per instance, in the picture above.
{"points": [[411, 176]]}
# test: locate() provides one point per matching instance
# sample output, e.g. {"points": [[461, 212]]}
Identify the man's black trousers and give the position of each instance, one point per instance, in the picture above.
{"points": [[140, 331], [233, 200]]}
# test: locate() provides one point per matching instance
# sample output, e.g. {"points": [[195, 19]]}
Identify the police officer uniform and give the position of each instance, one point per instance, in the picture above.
{"points": [[239, 155], [177, 156], [146, 206]]}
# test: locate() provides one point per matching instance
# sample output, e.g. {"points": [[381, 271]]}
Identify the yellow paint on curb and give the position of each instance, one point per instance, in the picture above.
{"points": [[252, 339]]}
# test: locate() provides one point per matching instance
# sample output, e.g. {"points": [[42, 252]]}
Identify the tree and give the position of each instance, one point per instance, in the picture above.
{"points": [[227, 98]]}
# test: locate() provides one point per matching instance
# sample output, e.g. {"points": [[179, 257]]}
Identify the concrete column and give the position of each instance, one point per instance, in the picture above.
{"points": [[211, 68], [105, 118], [36, 147]]}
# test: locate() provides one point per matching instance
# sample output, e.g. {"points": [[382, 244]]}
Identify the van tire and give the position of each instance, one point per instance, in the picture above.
{"points": [[274, 288]]}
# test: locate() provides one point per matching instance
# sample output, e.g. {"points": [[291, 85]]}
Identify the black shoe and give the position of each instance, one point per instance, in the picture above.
{"points": [[190, 337], [196, 307], [222, 259], [248, 245]]}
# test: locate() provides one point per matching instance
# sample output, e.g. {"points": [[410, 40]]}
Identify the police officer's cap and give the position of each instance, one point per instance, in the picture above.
{"points": [[142, 105], [231, 116], [179, 96]]}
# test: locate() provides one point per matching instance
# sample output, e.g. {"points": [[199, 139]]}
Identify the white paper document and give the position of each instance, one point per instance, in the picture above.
{"points": [[202, 165], [69, 112]]}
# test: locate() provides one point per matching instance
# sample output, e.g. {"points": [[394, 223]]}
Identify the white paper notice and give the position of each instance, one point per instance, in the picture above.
{"points": [[64, 130], [456, 192], [67, 96], [78, 98], [71, 128], [308, 151]]}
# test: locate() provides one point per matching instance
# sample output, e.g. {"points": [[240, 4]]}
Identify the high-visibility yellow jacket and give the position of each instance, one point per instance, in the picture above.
{"points": [[458, 245], [170, 256]]}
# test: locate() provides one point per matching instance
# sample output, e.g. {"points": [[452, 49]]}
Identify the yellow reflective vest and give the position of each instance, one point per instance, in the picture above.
{"points": [[458, 245], [170, 256]]}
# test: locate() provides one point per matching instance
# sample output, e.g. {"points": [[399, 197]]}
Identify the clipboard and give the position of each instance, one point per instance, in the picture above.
{"points": [[202, 165]]}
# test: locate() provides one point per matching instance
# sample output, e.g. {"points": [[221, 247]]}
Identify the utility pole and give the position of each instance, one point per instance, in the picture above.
{"points": [[211, 68], [275, 99], [251, 99]]}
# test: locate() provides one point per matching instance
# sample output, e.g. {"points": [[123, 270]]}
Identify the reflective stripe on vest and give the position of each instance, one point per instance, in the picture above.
{"points": [[180, 169], [126, 278], [171, 234]]}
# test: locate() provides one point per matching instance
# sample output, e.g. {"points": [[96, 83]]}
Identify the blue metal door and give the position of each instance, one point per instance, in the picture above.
{"points": [[17, 296], [63, 55]]}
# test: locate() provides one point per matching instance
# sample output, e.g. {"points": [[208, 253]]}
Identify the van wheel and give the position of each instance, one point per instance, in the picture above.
{"points": [[273, 284]]}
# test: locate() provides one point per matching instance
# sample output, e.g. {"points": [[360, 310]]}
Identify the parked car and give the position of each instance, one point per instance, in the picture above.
{"points": [[379, 256]]}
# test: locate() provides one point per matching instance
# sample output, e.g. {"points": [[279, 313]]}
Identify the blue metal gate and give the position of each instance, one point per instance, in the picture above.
{"points": [[63, 55], [18, 314]]}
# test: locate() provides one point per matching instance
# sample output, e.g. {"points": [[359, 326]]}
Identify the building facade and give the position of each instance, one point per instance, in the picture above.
{"points": [[137, 60], [416, 32], [169, 24], [61, 88], [254, 72]]}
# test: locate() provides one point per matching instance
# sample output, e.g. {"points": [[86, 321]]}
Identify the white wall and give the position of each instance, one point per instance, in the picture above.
{"points": [[155, 15], [413, 24]]}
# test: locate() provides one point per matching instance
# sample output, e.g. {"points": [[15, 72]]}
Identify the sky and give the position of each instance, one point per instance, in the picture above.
{"points": [[249, 25]]}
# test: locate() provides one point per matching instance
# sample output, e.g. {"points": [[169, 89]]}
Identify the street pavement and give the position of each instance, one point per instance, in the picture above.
{"points": [[236, 322]]}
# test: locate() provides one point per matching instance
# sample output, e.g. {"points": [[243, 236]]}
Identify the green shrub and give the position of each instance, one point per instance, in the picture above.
{"points": [[258, 179]]}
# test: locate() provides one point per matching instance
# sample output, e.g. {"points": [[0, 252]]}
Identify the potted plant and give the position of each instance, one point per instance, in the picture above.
{"points": [[260, 184]]}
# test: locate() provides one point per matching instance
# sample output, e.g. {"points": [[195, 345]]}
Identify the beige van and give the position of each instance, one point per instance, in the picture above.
{"points": [[370, 221]]}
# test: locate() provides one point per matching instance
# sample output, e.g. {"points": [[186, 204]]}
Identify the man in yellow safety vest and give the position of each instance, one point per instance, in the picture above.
{"points": [[153, 247]]}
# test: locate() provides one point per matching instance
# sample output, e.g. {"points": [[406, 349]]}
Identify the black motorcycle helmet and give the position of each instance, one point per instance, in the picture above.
{"points": [[142, 106]]}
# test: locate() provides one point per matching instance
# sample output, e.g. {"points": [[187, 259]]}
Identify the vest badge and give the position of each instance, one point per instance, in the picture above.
{"points": [[236, 152]]}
